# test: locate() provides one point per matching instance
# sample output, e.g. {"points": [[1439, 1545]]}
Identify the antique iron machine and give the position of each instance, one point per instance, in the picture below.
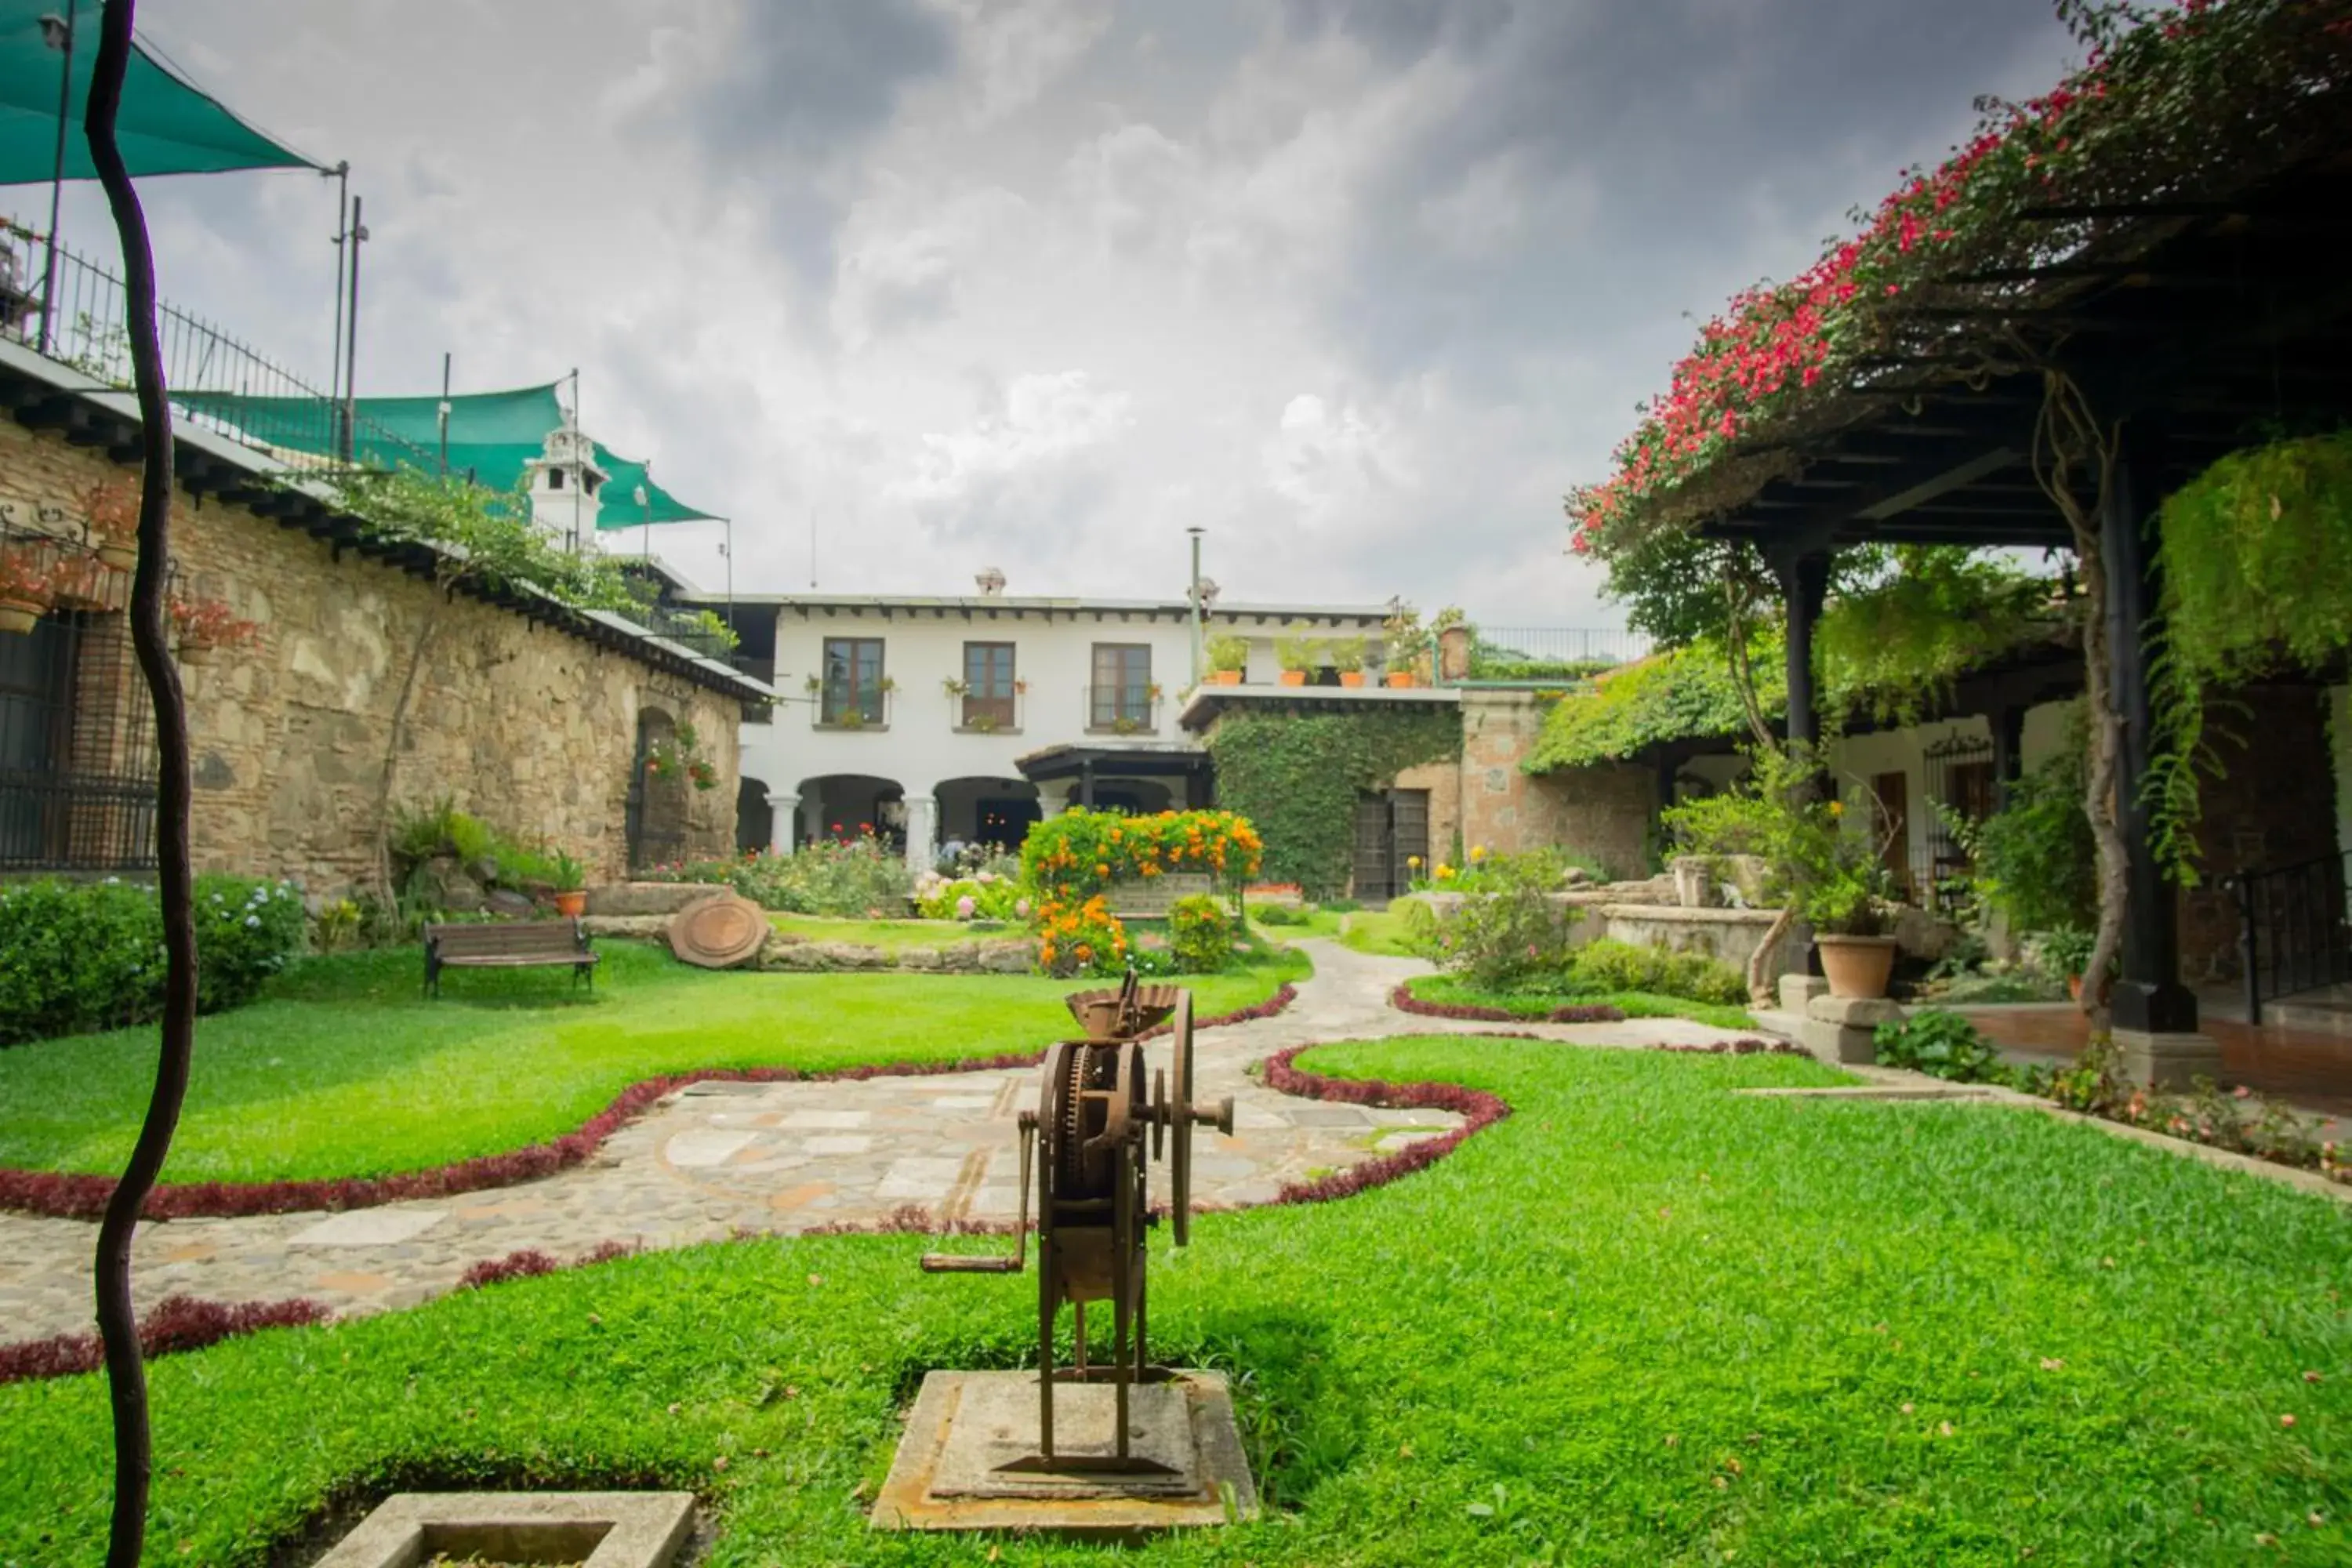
{"points": [[1087, 1147]]}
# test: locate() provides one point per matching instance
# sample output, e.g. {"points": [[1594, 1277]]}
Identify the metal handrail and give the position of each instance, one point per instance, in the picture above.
{"points": [[2294, 933]]}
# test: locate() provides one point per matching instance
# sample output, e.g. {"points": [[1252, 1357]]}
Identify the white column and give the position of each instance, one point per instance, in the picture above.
{"points": [[782, 808], [922, 831]]}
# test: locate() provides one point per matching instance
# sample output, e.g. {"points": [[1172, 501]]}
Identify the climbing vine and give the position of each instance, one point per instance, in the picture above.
{"points": [[1297, 777], [2258, 575], [1684, 693], [1894, 649]]}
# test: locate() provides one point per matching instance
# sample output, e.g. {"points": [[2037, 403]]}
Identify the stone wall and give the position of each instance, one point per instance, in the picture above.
{"points": [[1604, 812], [527, 727]]}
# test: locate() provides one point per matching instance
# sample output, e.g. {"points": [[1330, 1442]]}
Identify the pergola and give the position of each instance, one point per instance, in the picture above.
{"points": [[2191, 328]]}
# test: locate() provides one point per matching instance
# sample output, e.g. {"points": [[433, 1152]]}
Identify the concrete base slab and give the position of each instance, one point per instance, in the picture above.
{"points": [[2168, 1060], [1846, 1042], [595, 1530], [967, 1425]]}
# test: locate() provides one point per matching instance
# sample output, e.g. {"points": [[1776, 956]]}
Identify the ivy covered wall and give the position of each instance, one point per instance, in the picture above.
{"points": [[1297, 777]]}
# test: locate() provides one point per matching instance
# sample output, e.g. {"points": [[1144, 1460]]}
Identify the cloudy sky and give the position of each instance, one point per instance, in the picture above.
{"points": [[1359, 285]]}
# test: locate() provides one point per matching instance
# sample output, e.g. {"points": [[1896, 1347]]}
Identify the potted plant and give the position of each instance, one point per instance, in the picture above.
{"points": [[1402, 641], [1298, 654], [2067, 951], [813, 685], [1843, 907], [1452, 629], [26, 592], [571, 882], [1228, 656], [204, 624], [702, 773], [79, 583], [111, 510], [1346, 655], [955, 688]]}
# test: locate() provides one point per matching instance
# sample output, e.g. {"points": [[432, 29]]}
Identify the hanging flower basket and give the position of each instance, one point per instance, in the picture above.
{"points": [[26, 592], [111, 512], [204, 624], [80, 584]]}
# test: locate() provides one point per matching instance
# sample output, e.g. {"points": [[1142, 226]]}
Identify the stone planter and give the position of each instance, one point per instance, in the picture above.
{"points": [[1856, 966], [18, 616], [118, 557], [1693, 881]]}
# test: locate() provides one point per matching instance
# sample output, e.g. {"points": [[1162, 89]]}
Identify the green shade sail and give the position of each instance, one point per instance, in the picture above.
{"points": [[167, 126], [492, 435]]}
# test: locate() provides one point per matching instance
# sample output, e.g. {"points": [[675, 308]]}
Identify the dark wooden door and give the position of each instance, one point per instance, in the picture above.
{"points": [[1374, 869], [1391, 831]]}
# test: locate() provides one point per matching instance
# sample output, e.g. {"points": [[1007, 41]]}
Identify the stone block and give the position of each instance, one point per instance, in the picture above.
{"points": [[1842, 1043], [613, 1530], [1798, 990], [647, 898], [2168, 1060], [1852, 1012]]}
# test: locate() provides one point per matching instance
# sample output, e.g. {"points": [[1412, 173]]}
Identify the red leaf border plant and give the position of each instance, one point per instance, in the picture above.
{"points": [[69, 1196], [177, 1323], [1405, 1000]]}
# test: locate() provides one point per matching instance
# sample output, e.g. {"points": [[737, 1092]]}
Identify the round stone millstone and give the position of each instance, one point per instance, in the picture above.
{"points": [[718, 933]]}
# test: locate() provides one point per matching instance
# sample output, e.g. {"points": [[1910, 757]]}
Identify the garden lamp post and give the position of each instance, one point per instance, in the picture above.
{"points": [[58, 33], [1198, 650]]}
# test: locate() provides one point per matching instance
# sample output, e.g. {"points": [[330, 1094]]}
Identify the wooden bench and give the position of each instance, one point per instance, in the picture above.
{"points": [[507, 944]]}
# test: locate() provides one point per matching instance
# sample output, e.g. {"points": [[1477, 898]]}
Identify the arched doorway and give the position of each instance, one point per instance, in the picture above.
{"points": [[992, 811], [753, 817], [656, 811], [843, 807]]}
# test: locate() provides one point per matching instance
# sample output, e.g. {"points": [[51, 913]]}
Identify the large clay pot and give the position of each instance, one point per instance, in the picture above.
{"points": [[571, 904], [1224, 677], [1293, 678], [1856, 966], [1352, 678], [1400, 677]]}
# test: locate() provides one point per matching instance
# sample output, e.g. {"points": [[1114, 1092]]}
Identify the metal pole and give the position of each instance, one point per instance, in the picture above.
{"points": [[342, 172], [728, 549], [443, 413], [352, 341], [58, 175], [1199, 653]]}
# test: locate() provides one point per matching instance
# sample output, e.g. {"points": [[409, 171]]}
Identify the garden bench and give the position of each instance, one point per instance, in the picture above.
{"points": [[507, 944]]}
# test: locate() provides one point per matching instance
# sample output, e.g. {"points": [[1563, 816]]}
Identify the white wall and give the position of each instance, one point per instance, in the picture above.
{"points": [[919, 745], [1857, 759]]}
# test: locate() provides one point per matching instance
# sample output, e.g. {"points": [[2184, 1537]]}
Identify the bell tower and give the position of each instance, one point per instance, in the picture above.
{"points": [[566, 485]]}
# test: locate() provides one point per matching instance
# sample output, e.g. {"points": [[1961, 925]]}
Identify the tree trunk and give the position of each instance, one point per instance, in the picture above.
{"points": [[398, 728], [1761, 987], [118, 1327], [2068, 434]]}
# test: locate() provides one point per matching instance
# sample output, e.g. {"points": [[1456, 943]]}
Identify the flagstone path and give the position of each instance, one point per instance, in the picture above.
{"points": [[716, 1160]]}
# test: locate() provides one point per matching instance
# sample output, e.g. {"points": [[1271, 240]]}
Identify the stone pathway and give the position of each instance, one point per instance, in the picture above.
{"points": [[716, 1159]]}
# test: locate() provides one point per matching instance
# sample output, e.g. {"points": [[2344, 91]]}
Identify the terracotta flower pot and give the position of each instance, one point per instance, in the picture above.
{"points": [[1293, 678], [1400, 677], [1352, 678], [1224, 677], [17, 616], [1856, 966], [571, 904], [2074, 987]]}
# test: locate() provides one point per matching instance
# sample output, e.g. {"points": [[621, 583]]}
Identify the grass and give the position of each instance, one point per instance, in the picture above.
{"points": [[343, 1070], [1315, 922], [1641, 1320], [1376, 932], [887, 933], [1454, 991]]}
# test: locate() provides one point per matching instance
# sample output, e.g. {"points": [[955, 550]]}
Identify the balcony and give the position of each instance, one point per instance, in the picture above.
{"points": [[843, 707], [971, 714], [1122, 710]]}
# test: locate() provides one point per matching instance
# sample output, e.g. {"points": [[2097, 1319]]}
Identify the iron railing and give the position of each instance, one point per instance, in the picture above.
{"points": [[1125, 710], [1557, 653], [978, 714], [84, 327], [841, 706], [2292, 934]]}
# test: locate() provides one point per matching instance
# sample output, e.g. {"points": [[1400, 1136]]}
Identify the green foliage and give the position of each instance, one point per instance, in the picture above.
{"points": [[1895, 648], [1078, 854], [1509, 929], [1537, 996], [1297, 650], [2067, 949], [2258, 577], [1828, 862], [1200, 934], [419, 836], [76, 956], [1941, 1044], [1277, 915], [1298, 776], [1672, 696], [2037, 860], [485, 537], [847, 877], [985, 896], [342, 1069], [1609, 965], [1227, 652]]}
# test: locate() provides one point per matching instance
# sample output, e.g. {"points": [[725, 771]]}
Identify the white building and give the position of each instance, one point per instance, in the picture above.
{"points": [[932, 720]]}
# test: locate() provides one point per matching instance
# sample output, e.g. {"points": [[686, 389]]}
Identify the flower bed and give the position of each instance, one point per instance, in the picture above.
{"points": [[176, 1323], [1405, 1000]]}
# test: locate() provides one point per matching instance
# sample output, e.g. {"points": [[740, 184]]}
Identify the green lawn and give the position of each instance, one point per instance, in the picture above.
{"points": [[1318, 922], [1376, 932], [887, 933], [343, 1070], [1449, 991], [1639, 1322]]}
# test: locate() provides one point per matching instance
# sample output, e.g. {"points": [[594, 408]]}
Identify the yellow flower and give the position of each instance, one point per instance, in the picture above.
{"points": [[1477, 851], [1837, 808], [1444, 873], [1414, 861]]}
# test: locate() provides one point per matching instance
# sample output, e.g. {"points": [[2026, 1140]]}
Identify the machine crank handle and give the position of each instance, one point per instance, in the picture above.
{"points": [[1216, 1113], [972, 1263]]}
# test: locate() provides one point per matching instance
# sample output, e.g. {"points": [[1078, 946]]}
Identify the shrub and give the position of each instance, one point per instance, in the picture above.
{"points": [[2036, 858], [854, 877], [1340, 906], [1941, 1044], [986, 897], [1080, 938], [1200, 934], [1081, 853], [1509, 930], [1277, 915], [78, 956], [1608, 966]]}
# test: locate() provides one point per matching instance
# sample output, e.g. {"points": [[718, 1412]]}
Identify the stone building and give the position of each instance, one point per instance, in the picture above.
{"points": [[534, 716]]}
